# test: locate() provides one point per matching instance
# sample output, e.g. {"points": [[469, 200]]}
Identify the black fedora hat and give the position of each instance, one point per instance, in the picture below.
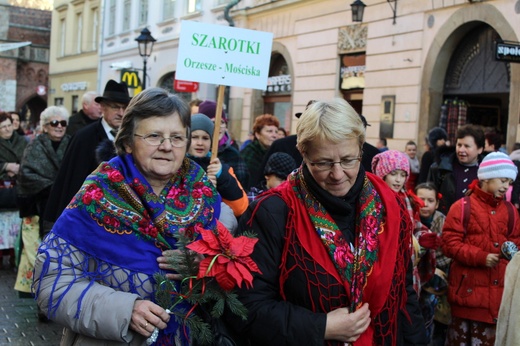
{"points": [[115, 92]]}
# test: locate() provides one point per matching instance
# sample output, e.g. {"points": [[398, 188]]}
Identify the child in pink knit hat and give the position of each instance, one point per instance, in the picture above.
{"points": [[394, 168]]}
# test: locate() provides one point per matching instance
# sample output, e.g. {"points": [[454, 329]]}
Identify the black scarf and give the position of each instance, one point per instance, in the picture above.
{"points": [[341, 209]]}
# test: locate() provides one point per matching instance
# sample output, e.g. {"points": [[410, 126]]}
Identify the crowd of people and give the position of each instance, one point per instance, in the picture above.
{"points": [[357, 244]]}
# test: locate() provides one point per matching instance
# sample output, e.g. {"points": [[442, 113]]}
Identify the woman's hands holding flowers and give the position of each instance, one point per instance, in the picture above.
{"points": [[165, 262], [206, 273]]}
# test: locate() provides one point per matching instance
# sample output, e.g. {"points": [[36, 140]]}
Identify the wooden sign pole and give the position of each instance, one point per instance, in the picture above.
{"points": [[218, 119]]}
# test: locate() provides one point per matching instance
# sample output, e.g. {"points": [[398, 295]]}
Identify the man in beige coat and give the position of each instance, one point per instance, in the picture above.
{"points": [[508, 333]]}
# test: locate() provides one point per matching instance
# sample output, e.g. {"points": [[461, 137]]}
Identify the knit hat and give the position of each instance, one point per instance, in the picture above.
{"points": [[280, 164], [435, 134], [497, 165], [202, 122], [209, 108], [388, 161]]}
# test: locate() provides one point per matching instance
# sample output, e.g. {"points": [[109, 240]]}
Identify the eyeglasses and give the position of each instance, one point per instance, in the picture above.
{"points": [[116, 106], [327, 165], [55, 123], [156, 140]]}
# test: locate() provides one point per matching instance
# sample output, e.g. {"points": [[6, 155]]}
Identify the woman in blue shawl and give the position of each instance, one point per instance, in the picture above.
{"points": [[94, 271]]}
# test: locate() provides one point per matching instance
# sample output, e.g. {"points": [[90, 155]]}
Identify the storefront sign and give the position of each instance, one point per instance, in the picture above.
{"points": [[352, 77], [507, 51], [352, 71], [223, 55], [74, 86], [279, 84], [185, 86]]}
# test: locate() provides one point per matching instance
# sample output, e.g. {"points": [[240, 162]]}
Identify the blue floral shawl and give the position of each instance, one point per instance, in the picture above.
{"points": [[116, 220]]}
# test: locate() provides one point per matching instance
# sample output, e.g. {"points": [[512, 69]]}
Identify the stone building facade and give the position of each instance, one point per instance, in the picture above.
{"points": [[405, 64], [24, 60], [74, 56]]}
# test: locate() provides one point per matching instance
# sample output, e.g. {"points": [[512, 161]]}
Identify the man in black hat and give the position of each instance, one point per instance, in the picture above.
{"points": [[80, 158]]}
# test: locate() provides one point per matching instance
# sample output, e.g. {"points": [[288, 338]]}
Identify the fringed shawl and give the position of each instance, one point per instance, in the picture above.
{"points": [[372, 270], [118, 222]]}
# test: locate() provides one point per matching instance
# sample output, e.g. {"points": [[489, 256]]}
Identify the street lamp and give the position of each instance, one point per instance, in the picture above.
{"points": [[358, 7], [145, 43]]}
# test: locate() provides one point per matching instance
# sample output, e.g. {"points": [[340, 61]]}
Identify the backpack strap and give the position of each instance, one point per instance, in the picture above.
{"points": [[511, 210], [465, 213]]}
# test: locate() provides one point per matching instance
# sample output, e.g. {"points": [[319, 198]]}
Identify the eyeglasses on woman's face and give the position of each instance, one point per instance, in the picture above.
{"points": [[56, 123], [346, 163], [156, 140]]}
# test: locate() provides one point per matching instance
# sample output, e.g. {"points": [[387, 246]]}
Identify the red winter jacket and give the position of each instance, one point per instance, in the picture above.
{"points": [[475, 291]]}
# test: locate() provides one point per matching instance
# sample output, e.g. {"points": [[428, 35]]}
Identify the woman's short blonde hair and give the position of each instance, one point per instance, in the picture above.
{"points": [[333, 121]]}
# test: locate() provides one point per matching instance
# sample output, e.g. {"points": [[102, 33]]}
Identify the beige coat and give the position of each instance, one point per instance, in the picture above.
{"points": [[508, 333], [105, 314]]}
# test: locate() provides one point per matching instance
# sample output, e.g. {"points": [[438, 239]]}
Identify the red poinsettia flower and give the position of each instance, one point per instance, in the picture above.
{"points": [[227, 258]]}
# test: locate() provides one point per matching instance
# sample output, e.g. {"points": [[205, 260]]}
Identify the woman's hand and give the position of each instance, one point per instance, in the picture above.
{"points": [[147, 315], [492, 260], [345, 326], [213, 168], [12, 168], [165, 262]]}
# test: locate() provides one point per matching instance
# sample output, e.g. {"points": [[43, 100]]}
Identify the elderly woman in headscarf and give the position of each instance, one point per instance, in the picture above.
{"points": [[94, 270], [333, 249], [38, 169]]}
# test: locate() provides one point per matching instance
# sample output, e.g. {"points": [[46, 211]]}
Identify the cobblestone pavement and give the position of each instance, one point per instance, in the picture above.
{"points": [[19, 325]]}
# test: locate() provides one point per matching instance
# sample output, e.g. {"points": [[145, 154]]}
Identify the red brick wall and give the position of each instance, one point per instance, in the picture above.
{"points": [[31, 25]]}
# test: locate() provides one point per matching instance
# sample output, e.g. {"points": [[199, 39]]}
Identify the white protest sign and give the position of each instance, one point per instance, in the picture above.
{"points": [[223, 55]]}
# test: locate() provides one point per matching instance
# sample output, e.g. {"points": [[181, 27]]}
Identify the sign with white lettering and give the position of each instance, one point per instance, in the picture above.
{"points": [[507, 51], [223, 55], [74, 86]]}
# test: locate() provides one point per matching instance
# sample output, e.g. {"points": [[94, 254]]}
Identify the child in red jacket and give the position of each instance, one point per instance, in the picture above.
{"points": [[472, 237]]}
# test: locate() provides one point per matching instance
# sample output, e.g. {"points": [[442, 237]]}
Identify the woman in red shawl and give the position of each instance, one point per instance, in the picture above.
{"points": [[333, 249]]}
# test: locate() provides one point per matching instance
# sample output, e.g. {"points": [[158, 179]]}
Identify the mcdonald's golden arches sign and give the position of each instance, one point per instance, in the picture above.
{"points": [[131, 78]]}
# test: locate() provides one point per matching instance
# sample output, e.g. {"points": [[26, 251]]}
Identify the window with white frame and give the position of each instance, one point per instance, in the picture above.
{"points": [[95, 28], [193, 6], [112, 18], [143, 12], [63, 32], [127, 13], [79, 32], [168, 9]]}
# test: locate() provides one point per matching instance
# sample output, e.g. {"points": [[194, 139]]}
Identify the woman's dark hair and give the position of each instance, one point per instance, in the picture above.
{"points": [[428, 186], [474, 131], [4, 116], [494, 139], [152, 102]]}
